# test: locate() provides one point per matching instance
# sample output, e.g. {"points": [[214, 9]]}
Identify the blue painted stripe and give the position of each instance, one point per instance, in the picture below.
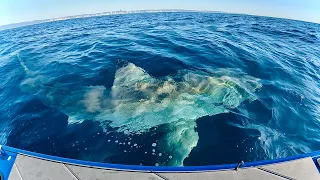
{"points": [[5, 164], [158, 168], [316, 163]]}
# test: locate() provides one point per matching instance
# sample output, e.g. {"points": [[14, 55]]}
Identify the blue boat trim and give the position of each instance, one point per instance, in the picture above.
{"points": [[316, 163], [7, 160], [16, 151]]}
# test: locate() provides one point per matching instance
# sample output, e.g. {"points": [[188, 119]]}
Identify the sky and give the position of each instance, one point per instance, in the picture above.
{"points": [[15, 11]]}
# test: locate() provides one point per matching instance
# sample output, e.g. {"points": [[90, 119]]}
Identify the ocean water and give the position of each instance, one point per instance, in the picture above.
{"points": [[168, 89]]}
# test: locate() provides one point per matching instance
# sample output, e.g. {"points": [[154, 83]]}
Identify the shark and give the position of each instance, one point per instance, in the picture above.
{"points": [[138, 102]]}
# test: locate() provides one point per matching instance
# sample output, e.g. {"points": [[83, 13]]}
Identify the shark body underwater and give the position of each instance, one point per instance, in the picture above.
{"points": [[138, 102]]}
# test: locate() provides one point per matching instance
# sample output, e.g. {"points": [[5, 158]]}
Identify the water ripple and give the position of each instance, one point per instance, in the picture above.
{"points": [[236, 87]]}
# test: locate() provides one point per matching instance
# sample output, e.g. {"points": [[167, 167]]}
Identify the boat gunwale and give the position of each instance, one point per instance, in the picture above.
{"points": [[122, 167]]}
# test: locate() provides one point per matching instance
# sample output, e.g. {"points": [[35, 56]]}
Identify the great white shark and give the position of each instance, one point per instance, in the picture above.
{"points": [[138, 102]]}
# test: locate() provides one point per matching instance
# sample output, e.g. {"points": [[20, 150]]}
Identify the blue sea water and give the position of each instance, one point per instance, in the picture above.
{"points": [[162, 88]]}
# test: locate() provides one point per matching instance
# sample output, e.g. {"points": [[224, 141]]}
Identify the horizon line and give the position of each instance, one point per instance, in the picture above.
{"points": [[106, 13]]}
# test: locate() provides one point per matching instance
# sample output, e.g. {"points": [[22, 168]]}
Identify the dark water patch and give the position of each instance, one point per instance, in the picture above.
{"points": [[217, 136]]}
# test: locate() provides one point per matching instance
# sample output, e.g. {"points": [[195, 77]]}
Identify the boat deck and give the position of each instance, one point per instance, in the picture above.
{"points": [[32, 166]]}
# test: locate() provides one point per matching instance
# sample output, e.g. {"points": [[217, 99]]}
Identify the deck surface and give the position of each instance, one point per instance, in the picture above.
{"points": [[31, 168]]}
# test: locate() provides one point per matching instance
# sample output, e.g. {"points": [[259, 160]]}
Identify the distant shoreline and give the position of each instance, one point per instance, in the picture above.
{"points": [[28, 23], [21, 24]]}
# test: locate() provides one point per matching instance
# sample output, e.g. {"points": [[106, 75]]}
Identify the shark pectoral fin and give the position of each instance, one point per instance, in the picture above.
{"points": [[180, 141]]}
